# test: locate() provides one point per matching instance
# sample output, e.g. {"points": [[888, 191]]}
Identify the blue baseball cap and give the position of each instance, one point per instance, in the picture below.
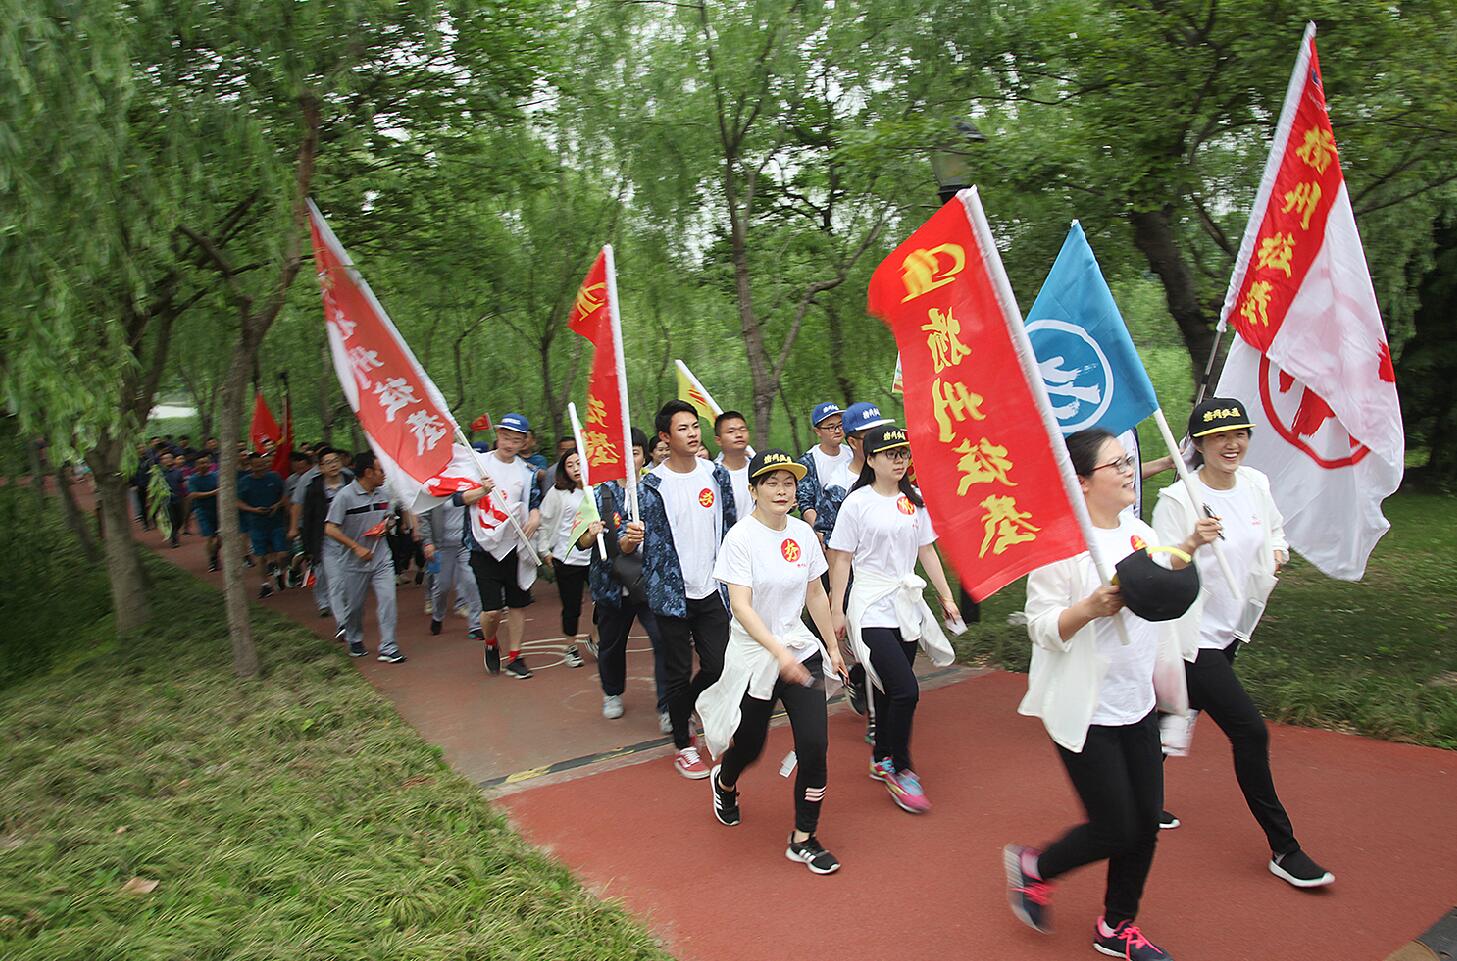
{"points": [[516, 422], [823, 411], [860, 417]]}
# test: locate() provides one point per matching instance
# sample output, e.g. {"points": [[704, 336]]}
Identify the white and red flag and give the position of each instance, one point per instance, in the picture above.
{"points": [[407, 421], [607, 432], [1311, 363]]}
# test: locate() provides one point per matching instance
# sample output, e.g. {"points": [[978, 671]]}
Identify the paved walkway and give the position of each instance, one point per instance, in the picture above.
{"points": [[602, 797]]}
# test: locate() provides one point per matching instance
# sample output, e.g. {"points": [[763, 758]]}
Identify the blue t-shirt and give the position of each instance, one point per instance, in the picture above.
{"points": [[264, 491], [201, 484]]}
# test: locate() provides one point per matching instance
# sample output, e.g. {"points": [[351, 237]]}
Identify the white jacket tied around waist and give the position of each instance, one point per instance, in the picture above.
{"points": [[749, 667], [912, 615], [1066, 675]]}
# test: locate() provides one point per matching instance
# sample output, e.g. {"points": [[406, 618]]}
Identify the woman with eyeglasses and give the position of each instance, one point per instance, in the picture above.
{"points": [[1224, 615], [1092, 684], [881, 531]]}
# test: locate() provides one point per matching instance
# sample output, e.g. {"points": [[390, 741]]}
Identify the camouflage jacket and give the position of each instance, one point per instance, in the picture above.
{"points": [[661, 566], [812, 495]]}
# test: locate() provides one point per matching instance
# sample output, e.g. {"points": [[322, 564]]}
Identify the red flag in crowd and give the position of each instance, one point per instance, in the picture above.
{"points": [[408, 423], [1311, 363], [282, 452], [991, 461], [481, 423], [265, 426], [606, 431]]}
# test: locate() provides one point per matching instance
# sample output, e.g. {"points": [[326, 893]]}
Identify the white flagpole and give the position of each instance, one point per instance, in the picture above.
{"points": [[510, 514], [712, 404], [631, 483], [1188, 479], [582, 466], [971, 204]]}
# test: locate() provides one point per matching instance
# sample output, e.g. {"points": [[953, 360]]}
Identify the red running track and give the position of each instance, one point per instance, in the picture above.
{"points": [[1380, 815]]}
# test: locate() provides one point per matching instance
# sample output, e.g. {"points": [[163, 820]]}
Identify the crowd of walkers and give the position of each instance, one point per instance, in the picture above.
{"points": [[763, 579]]}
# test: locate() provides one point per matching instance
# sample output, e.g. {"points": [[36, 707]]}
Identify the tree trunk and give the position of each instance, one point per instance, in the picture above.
{"points": [[761, 369], [123, 567], [1153, 235], [837, 355], [235, 599], [793, 422], [75, 520]]}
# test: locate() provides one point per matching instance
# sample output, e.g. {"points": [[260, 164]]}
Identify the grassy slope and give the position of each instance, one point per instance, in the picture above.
{"points": [[1378, 657], [294, 817]]}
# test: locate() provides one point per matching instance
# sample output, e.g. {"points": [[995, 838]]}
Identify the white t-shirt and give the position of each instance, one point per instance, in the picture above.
{"points": [[840, 476], [883, 535], [777, 566], [743, 500], [562, 546], [513, 489], [826, 466], [1126, 694], [1244, 538], [694, 517]]}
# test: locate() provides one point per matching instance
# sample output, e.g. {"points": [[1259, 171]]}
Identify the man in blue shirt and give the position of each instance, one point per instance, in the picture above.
{"points": [[202, 498], [260, 496]]}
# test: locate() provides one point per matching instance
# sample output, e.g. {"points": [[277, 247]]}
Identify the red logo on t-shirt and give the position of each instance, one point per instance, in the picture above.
{"points": [[905, 506], [705, 497], [790, 550], [1138, 542]]}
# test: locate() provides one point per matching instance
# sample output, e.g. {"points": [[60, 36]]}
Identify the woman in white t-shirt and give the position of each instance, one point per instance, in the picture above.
{"points": [[771, 564], [1092, 682], [569, 563], [881, 531], [1224, 615]]}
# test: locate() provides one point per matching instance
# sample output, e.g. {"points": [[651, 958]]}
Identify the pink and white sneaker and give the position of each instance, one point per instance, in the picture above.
{"points": [[689, 764], [905, 790]]}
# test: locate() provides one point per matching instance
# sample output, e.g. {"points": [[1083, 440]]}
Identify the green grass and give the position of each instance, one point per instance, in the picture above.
{"points": [[1377, 657], [293, 817]]}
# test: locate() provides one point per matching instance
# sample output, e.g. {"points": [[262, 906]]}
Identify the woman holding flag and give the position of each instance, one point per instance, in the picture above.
{"points": [[1211, 631], [1092, 682], [555, 544], [882, 530]]}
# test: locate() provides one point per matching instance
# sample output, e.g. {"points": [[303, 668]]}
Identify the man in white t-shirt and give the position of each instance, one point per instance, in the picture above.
{"points": [[731, 431], [687, 505], [494, 557], [824, 459]]}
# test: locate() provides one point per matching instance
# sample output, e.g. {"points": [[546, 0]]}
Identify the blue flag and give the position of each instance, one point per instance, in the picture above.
{"points": [[1088, 364]]}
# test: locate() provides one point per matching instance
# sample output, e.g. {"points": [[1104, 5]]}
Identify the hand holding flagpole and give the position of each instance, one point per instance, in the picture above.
{"points": [[1188, 479], [582, 466], [505, 508]]}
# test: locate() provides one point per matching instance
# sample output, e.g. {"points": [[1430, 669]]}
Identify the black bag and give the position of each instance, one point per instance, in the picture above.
{"points": [[627, 571]]}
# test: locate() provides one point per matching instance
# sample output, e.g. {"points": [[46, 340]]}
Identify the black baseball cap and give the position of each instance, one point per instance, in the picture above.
{"points": [[1152, 591], [881, 439], [1216, 414], [769, 461]]}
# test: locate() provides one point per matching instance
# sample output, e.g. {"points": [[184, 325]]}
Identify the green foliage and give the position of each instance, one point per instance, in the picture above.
{"points": [[1378, 657], [294, 817]]}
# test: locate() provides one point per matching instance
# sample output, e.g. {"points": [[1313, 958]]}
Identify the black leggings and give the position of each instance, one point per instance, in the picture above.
{"points": [[896, 698], [570, 581], [807, 719], [1119, 776], [1215, 690]]}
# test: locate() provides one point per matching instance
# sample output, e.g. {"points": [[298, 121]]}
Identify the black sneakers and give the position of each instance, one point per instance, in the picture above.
{"points": [[394, 657], [435, 626], [266, 590], [1168, 821], [1298, 870], [325, 612], [1127, 942], [725, 803], [493, 659], [809, 852], [1027, 895], [572, 658], [356, 649], [516, 667]]}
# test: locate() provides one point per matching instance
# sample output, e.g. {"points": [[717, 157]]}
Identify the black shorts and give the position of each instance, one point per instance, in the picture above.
{"points": [[496, 580]]}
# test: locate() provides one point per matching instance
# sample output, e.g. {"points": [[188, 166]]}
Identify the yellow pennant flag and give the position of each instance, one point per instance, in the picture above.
{"points": [[691, 391], [586, 514]]}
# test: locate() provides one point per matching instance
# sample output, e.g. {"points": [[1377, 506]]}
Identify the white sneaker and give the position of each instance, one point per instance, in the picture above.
{"points": [[573, 659], [612, 706], [429, 606], [665, 723]]}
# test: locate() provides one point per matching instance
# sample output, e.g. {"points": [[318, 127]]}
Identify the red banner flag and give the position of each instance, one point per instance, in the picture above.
{"points": [[481, 423], [1311, 363], [408, 423], [991, 461], [282, 463], [264, 426], [606, 431]]}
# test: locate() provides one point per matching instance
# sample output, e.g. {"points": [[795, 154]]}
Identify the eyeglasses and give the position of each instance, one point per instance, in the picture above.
{"points": [[1123, 465], [896, 454], [837, 426]]}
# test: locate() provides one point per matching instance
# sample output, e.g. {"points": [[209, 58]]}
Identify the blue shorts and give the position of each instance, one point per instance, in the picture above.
{"points": [[267, 539], [207, 523]]}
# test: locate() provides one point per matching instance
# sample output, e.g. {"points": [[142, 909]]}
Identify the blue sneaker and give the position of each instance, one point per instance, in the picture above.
{"points": [[882, 770], [1127, 942], [1027, 895]]}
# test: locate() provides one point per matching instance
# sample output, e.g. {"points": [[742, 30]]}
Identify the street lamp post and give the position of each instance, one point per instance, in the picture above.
{"points": [[949, 160]]}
